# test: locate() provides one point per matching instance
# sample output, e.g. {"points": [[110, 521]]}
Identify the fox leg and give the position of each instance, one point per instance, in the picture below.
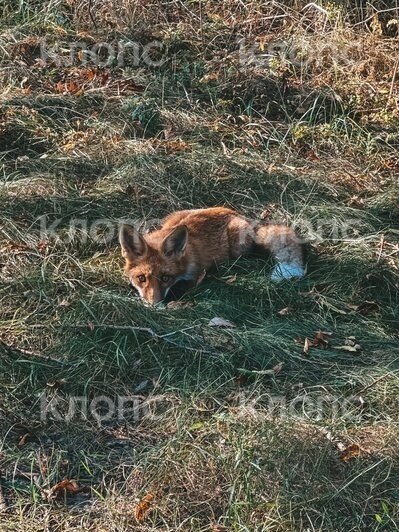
{"points": [[282, 242]]}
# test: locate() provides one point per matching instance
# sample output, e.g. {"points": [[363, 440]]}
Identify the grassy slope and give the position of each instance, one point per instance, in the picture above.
{"points": [[200, 132]]}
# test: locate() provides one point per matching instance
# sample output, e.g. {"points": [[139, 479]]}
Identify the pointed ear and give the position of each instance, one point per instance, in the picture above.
{"points": [[132, 243], [175, 243]]}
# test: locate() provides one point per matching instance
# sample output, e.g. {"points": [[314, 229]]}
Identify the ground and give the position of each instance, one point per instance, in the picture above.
{"points": [[286, 417]]}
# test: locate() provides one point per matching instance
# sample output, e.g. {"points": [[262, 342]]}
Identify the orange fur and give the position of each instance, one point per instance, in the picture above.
{"points": [[190, 242]]}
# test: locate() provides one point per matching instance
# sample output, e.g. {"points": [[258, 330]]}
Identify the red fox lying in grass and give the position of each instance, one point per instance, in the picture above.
{"points": [[190, 242]]}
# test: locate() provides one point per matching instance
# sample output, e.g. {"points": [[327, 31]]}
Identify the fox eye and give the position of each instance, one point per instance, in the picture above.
{"points": [[141, 278], [165, 278]]}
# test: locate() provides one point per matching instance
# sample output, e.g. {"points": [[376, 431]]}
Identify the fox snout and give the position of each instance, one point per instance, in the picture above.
{"points": [[152, 294], [153, 267]]}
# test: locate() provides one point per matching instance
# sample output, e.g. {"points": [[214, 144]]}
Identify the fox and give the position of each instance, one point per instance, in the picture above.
{"points": [[190, 242]]}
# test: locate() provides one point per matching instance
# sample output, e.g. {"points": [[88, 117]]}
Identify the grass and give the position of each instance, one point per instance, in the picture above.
{"points": [[234, 429]]}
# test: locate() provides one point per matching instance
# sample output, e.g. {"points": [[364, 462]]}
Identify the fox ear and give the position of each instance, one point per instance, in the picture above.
{"points": [[175, 243], [132, 243]]}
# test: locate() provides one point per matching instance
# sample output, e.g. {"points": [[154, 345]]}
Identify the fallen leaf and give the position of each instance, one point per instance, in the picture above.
{"points": [[23, 439], [350, 345], [350, 348], [285, 311], [221, 322], [143, 507], [352, 451], [307, 345], [321, 339], [69, 87], [231, 280], [219, 528], [65, 486]]}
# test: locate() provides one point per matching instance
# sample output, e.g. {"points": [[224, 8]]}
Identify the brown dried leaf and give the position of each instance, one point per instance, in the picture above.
{"points": [[68, 87], [23, 439], [65, 486], [352, 451], [143, 507], [321, 339]]}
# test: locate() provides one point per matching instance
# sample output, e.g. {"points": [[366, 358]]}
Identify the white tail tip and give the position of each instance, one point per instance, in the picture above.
{"points": [[285, 270]]}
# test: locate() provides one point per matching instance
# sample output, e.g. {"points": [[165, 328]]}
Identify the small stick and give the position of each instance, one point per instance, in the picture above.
{"points": [[381, 248], [374, 382], [26, 352], [91, 13], [393, 81], [162, 337], [159, 337], [3, 503]]}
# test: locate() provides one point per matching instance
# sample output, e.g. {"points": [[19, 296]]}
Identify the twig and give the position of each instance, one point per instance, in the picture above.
{"points": [[381, 247], [159, 337], [393, 81], [29, 353], [377, 12], [317, 7], [3, 502], [91, 13], [374, 382]]}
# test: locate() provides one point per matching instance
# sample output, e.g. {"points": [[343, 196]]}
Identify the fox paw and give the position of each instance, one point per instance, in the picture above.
{"points": [[285, 270]]}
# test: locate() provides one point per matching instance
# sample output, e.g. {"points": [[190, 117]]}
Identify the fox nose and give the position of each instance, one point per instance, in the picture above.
{"points": [[154, 297]]}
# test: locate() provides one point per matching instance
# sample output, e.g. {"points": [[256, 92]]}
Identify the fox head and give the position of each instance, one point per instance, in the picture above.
{"points": [[154, 265]]}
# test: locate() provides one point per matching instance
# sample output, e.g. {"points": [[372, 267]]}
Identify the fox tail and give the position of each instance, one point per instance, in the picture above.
{"points": [[285, 246]]}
